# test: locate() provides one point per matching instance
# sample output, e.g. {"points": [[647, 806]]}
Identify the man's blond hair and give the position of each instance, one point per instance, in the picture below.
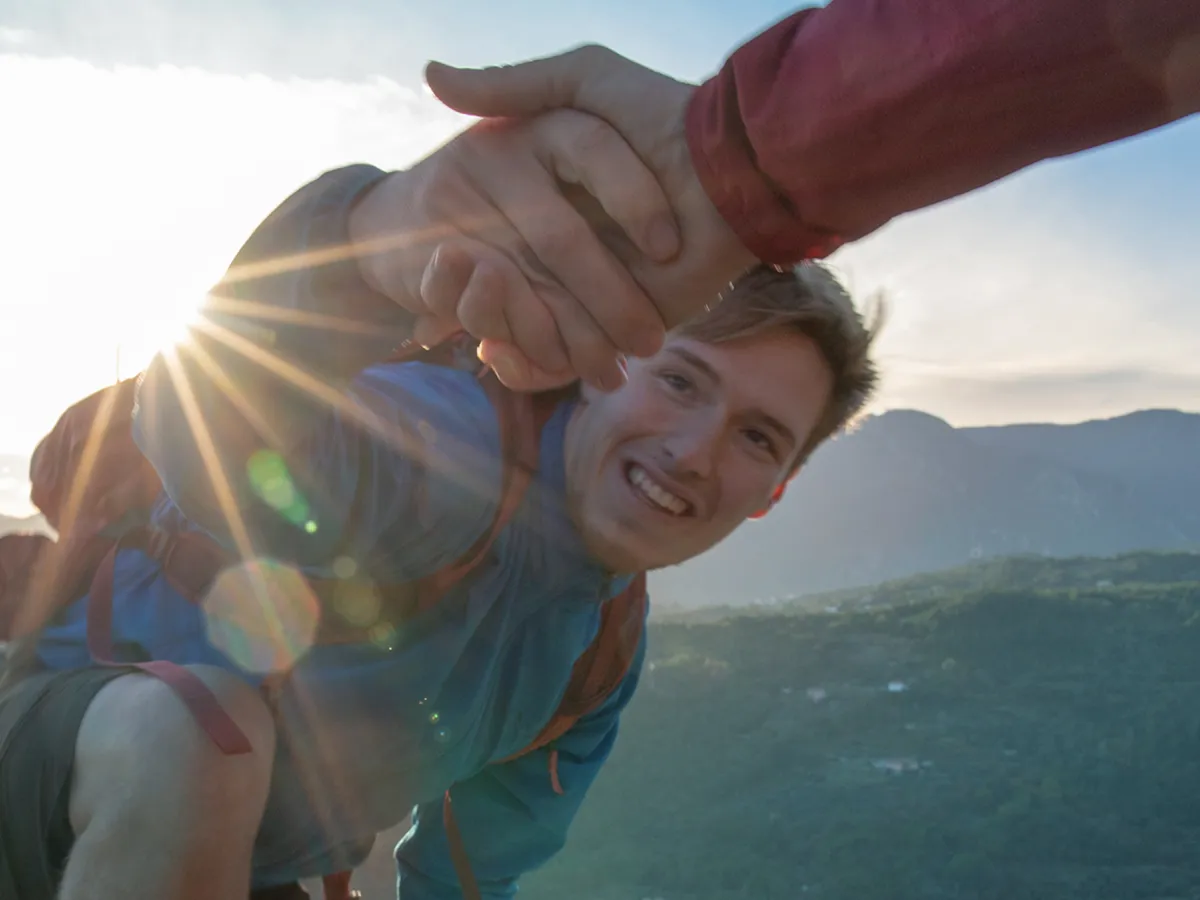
{"points": [[810, 299]]}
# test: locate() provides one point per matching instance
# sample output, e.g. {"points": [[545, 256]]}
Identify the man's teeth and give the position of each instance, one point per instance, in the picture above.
{"points": [[656, 493]]}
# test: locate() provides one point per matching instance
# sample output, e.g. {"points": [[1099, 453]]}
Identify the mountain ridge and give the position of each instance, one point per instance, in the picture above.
{"points": [[906, 492]]}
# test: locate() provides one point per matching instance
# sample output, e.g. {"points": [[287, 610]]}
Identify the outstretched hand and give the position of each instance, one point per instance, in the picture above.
{"points": [[648, 110]]}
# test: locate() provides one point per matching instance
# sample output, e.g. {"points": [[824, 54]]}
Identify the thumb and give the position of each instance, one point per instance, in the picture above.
{"points": [[524, 89]]}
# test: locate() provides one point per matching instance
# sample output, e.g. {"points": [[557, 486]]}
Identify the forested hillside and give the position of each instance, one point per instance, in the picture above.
{"points": [[1035, 739]]}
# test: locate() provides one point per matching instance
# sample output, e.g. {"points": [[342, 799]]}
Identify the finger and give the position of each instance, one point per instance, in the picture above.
{"points": [[509, 312], [523, 89], [443, 281], [574, 257], [489, 287], [585, 151], [535, 333], [427, 216], [579, 349], [446, 275], [485, 289], [506, 359], [481, 307], [593, 357]]}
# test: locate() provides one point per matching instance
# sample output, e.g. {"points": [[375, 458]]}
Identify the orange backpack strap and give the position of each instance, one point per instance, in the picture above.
{"points": [[596, 674], [602, 667], [520, 418]]}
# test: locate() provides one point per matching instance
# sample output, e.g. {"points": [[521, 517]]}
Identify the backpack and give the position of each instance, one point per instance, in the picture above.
{"points": [[95, 489]]}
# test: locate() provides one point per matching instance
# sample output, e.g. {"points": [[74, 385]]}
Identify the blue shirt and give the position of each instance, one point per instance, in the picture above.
{"points": [[275, 431]]}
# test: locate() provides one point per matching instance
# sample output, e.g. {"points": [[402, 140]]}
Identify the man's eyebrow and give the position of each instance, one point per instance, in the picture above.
{"points": [[703, 365], [692, 359]]}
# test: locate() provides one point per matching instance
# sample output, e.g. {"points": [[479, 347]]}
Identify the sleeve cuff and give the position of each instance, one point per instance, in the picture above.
{"points": [[725, 163]]}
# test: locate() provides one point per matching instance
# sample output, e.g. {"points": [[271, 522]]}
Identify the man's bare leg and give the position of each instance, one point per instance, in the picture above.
{"points": [[159, 812]]}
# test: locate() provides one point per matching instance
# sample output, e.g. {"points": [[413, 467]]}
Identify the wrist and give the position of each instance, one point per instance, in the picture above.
{"points": [[378, 237], [715, 238], [710, 232]]}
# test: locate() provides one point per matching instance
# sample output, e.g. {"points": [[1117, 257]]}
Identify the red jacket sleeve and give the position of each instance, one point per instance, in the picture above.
{"points": [[835, 120]]}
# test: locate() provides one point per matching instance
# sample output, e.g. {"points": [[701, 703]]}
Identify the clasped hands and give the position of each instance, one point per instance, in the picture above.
{"points": [[564, 230]]}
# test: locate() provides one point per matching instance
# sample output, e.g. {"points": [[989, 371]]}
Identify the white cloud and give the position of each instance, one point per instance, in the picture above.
{"points": [[1013, 287]]}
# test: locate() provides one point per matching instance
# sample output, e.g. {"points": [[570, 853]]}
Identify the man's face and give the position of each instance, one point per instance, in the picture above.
{"points": [[694, 443]]}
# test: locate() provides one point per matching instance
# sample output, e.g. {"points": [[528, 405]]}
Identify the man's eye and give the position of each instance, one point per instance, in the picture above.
{"points": [[676, 381], [760, 440]]}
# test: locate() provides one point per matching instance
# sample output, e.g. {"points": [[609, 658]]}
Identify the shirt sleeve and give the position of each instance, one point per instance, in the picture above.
{"points": [[512, 820], [268, 425], [835, 120]]}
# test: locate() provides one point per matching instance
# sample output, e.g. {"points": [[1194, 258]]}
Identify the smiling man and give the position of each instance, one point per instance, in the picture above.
{"points": [[343, 490], [706, 432]]}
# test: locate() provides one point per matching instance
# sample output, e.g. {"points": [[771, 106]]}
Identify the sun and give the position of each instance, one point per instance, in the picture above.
{"points": [[75, 342], [134, 348]]}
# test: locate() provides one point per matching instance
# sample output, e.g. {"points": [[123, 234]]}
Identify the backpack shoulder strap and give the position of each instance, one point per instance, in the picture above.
{"points": [[596, 674], [520, 417], [601, 668]]}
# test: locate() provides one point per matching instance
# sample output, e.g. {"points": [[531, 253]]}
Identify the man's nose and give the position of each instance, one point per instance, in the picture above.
{"points": [[693, 448]]}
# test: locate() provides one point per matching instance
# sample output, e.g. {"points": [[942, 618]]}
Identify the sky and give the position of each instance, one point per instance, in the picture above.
{"points": [[144, 139]]}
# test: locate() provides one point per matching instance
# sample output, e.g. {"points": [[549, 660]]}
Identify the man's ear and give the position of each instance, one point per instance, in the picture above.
{"points": [[776, 496]]}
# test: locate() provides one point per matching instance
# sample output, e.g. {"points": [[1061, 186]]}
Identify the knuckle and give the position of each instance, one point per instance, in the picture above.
{"points": [[593, 54]]}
